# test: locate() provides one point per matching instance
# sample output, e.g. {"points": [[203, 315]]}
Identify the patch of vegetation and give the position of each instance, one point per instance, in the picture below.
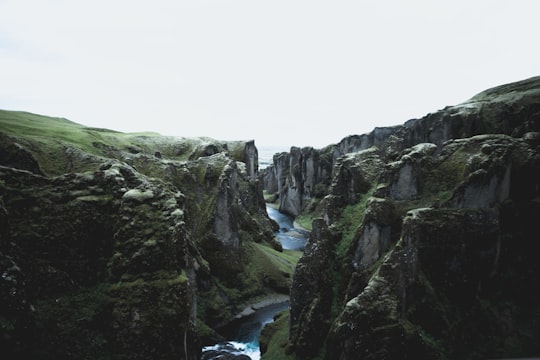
{"points": [[47, 138], [56, 143], [305, 220], [212, 309], [265, 271], [275, 339], [63, 130], [270, 198], [268, 267], [285, 260], [320, 190], [351, 218], [444, 176], [335, 308], [236, 150]]}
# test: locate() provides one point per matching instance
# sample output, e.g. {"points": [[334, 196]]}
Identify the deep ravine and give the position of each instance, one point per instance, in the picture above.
{"points": [[243, 335]]}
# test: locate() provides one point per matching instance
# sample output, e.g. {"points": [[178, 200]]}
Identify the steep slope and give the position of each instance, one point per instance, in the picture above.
{"points": [[510, 109], [425, 246], [121, 245]]}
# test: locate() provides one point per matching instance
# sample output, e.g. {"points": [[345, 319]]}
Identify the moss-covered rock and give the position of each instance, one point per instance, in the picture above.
{"points": [[274, 339], [427, 261], [128, 245], [312, 292], [93, 258]]}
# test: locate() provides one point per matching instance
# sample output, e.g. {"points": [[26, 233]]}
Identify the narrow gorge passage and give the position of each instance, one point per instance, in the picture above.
{"points": [[290, 237], [243, 335]]}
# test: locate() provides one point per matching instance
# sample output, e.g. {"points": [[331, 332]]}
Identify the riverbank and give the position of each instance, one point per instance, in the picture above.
{"points": [[299, 226], [267, 301], [243, 331]]}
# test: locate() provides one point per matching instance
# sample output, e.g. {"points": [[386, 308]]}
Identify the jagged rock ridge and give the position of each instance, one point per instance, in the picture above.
{"points": [[425, 246], [510, 109]]}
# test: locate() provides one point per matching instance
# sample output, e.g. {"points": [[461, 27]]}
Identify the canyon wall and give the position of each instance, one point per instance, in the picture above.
{"points": [[425, 246], [510, 109], [125, 246]]}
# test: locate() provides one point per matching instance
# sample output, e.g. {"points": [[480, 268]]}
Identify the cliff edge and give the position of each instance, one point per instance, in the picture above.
{"points": [[127, 246], [425, 244]]}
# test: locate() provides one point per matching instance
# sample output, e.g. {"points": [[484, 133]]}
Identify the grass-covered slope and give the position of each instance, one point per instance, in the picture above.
{"points": [[60, 145]]}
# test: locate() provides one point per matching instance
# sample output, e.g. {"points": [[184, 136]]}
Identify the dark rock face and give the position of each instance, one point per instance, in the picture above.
{"points": [[311, 292], [94, 259], [429, 243], [295, 177], [16, 156], [443, 260], [111, 252], [511, 109]]}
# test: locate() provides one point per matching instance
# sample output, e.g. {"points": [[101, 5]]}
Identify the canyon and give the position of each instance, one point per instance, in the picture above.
{"points": [[422, 239], [423, 235]]}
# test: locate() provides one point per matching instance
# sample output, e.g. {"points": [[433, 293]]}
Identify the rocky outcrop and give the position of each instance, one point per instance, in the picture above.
{"points": [[355, 143], [126, 246], [510, 109], [311, 292], [297, 177], [15, 155], [97, 250], [427, 239]]}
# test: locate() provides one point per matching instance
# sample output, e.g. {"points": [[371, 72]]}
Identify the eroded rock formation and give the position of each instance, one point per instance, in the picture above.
{"points": [[510, 109], [125, 246], [425, 246]]}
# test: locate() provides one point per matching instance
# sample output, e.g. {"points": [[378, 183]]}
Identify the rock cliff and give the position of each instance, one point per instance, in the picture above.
{"points": [[510, 109], [126, 246], [425, 246]]}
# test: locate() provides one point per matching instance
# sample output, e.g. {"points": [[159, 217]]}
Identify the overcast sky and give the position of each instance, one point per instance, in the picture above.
{"points": [[280, 72]]}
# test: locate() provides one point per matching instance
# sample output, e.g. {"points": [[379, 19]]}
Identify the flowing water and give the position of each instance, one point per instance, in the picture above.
{"points": [[244, 333], [289, 236]]}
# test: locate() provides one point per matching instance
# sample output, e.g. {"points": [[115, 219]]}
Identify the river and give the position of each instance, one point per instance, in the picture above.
{"points": [[290, 237], [243, 337]]}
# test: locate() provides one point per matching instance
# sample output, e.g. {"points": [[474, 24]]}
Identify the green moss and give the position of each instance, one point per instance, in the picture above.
{"points": [[443, 176], [285, 260], [55, 141], [212, 307], [266, 271], [336, 306], [236, 150], [305, 220], [320, 190], [204, 331], [351, 218], [270, 198], [268, 267], [275, 339]]}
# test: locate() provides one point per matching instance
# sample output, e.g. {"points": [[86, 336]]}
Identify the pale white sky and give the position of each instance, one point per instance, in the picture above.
{"points": [[280, 72]]}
